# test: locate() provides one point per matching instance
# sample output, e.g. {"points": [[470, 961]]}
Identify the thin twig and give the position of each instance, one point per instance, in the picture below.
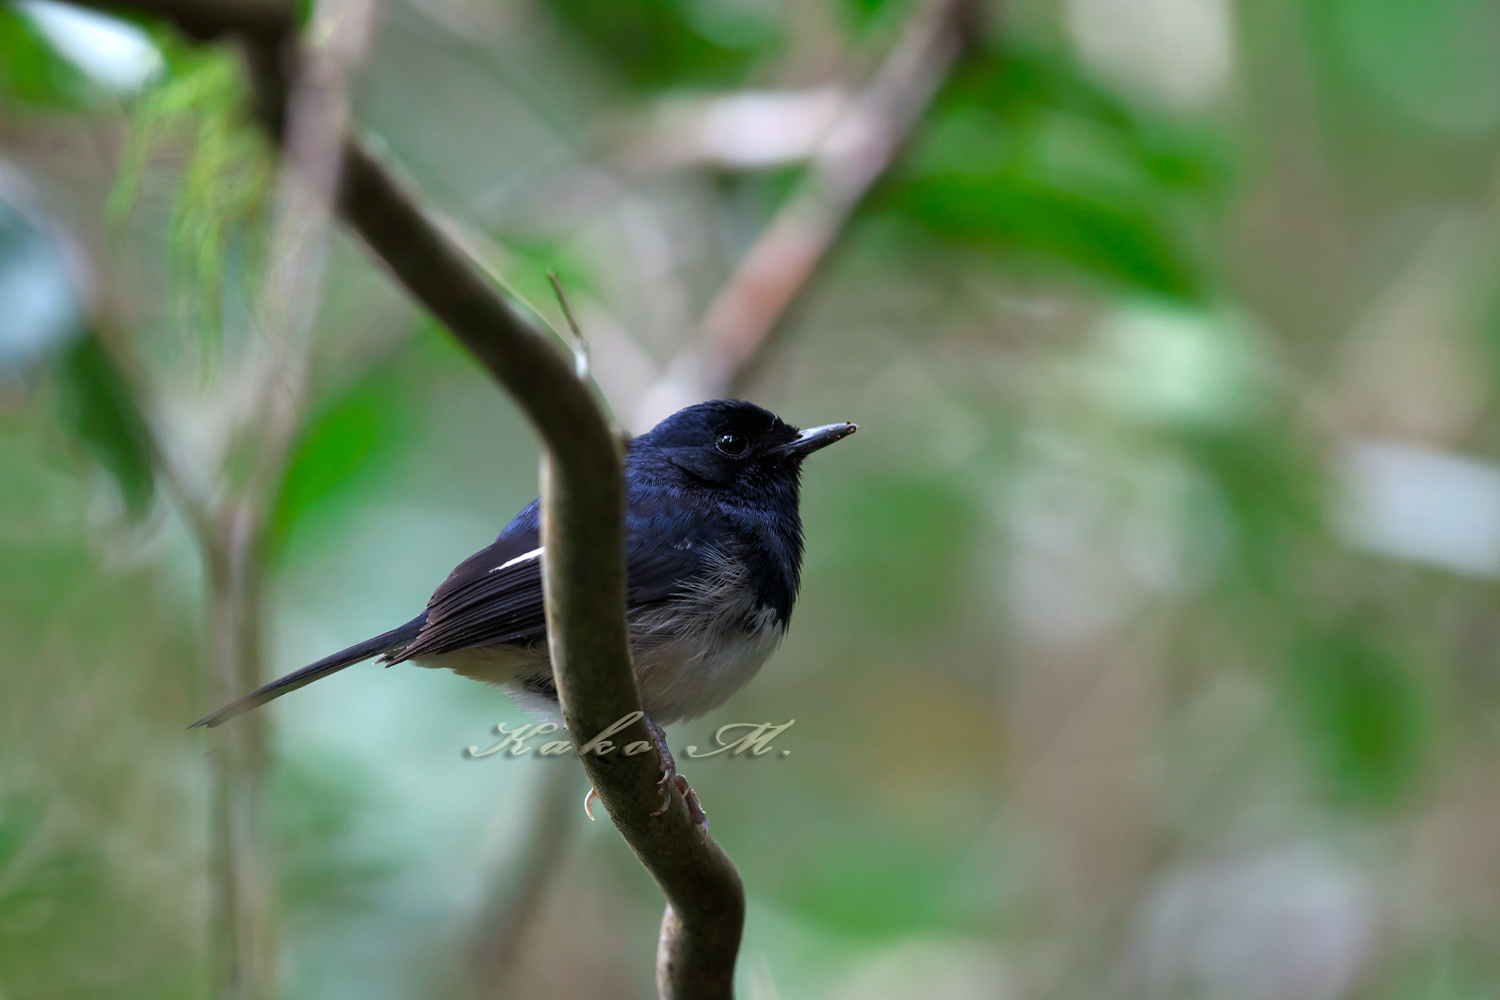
{"points": [[243, 952], [858, 149], [580, 346]]}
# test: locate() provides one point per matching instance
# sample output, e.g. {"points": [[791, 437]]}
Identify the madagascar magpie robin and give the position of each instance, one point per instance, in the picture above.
{"points": [[713, 544]]}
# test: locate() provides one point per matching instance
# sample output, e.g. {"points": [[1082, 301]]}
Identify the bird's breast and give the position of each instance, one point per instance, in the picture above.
{"points": [[697, 648]]}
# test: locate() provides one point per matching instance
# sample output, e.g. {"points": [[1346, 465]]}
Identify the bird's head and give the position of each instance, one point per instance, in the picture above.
{"points": [[732, 445]]}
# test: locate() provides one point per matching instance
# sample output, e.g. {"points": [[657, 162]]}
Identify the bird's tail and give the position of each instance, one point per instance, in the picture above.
{"points": [[396, 638]]}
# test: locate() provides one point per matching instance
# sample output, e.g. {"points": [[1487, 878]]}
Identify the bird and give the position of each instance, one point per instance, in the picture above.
{"points": [[713, 554]]}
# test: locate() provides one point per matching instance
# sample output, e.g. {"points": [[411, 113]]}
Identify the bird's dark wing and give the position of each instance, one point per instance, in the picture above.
{"points": [[495, 596]]}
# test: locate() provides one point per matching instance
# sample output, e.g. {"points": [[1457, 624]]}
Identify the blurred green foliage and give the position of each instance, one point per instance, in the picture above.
{"points": [[1273, 491], [59, 901], [99, 842], [1431, 62], [912, 580], [97, 403], [875, 884], [1023, 154], [322, 874], [661, 43], [1038, 733], [864, 13], [358, 435], [1365, 711], [31, 72], [226, 175]]}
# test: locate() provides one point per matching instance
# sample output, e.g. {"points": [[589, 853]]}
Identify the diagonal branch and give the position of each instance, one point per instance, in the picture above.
{"points": [[855, 153]]}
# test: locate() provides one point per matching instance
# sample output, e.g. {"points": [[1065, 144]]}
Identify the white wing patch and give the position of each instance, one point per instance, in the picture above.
{"points": [[535, 553]]}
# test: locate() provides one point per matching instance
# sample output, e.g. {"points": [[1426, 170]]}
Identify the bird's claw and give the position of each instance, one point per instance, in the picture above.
{"points": [[668, 772], [690, 797], [670, 777]]}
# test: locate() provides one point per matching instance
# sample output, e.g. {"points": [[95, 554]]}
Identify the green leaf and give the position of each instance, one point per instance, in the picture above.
{"points": [[31, 72], [1022, 156], [864, 14], [97, 405], [659, 43], [1272, 487], [1004, 212], [357, 434], [1022, 83], [1363, 710]]}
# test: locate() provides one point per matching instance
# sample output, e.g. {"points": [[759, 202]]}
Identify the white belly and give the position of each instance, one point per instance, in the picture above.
{"points": [[688, 676]]}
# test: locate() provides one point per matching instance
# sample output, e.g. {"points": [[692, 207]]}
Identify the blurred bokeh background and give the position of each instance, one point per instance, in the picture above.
{"points": [[1149, 639]]}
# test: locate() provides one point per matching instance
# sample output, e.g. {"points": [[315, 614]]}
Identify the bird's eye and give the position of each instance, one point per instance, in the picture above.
{"points": [[733, 445]]}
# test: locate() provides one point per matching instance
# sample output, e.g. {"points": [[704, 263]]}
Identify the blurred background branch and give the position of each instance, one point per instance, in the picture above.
{"points": [[286, 310], [231, 529], [862, 140]]}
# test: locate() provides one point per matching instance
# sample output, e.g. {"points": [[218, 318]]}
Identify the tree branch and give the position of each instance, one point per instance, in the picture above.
{"points": [[204, 20], [583, 571], [858, 149], [229, 531], [582, 531]]}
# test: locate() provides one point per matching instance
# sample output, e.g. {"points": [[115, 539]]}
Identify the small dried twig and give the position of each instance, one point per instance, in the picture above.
{"points": [[580, 346]]}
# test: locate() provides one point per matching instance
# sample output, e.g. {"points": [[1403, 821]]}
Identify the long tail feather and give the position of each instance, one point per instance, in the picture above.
{"points": [[394, 639]]}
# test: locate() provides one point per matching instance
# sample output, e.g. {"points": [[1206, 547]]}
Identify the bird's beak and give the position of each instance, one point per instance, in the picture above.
{"points": [[814, 438]]}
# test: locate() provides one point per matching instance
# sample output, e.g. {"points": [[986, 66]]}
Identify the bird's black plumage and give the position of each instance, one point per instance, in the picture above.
{"points": [[713, 548]]}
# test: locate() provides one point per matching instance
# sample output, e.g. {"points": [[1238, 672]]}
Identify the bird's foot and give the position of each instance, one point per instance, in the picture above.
{"points": [[670, 777], [588, 801]]}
